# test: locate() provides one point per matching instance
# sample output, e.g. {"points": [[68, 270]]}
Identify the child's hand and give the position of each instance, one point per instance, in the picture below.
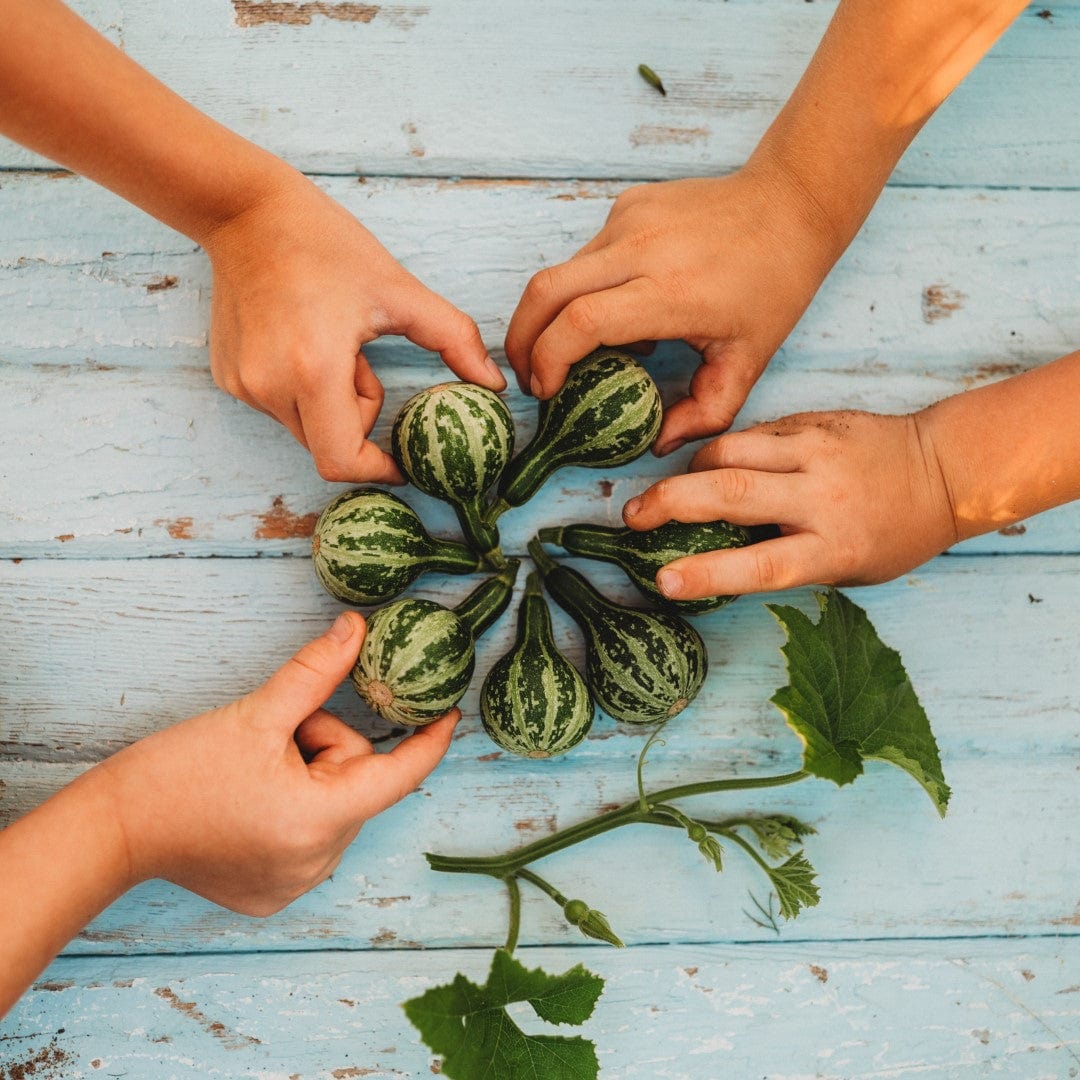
{"points": [[253, 804], [300, 286], [859, 499], [727, 265]]}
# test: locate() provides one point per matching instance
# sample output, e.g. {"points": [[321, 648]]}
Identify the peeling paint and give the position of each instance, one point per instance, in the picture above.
{"points": [[231, 1040], [940, 301], [180, 528], [261, 12], [280, 523], [160, 284], [658, 135]]}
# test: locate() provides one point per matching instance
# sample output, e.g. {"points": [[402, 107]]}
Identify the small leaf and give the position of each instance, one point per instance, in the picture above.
{"points": [[469, 1026], [713, 852], [849, 698], [779, 834], [794, 885]]}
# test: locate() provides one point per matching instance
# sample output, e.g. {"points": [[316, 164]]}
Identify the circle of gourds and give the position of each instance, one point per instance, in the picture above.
{"points": [[455, 441]]}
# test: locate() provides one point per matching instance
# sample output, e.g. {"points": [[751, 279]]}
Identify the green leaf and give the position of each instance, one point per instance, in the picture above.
{"points": [[794, 885], [850, 699], [469, 1026], [778, 834]]}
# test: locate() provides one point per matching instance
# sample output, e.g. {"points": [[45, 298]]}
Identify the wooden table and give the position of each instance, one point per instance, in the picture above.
{"points": [[154, 536]]}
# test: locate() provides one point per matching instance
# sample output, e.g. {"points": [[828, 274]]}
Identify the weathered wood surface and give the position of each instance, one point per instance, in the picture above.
{"points": [[118, 444], [147, 642], [520, 89], [785, 1011]]}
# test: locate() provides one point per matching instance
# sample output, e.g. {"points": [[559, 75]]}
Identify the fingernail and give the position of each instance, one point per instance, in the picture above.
{"points": [[342, 629], [632, 508], [535, 387], [494, 372], [669, 581], [669, 447]]}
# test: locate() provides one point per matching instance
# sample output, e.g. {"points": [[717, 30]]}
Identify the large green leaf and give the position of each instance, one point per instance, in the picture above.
{"points": [[849, 698], [469, 1026]]}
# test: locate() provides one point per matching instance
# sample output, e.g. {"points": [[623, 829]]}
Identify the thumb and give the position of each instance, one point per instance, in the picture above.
{"points": [[304, 683], [373, 782], [434, 323]]}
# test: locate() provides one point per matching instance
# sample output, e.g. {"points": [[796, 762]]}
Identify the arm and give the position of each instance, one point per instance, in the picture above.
{"points": [[730, 265], [862, 498], [299, 285], [250, 805]]}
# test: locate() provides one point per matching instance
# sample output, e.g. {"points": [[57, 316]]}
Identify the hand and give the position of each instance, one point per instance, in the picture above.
{"points": [[727, 265], [300, 286], [859, 499], [253, 804]]}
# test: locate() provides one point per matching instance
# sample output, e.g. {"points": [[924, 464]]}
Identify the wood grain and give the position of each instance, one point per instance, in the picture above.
{"points": [[448, 89]]}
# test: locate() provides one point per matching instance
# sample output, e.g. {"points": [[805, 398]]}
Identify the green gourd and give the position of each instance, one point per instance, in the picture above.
{"points": [[642, 667], [369, 545], [418, 656], [453, 442], [606, 413], [533, 702], [642, 554]]}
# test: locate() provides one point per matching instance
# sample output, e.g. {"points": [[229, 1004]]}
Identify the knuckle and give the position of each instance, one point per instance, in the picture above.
{"points": [[736, 487], [583, 314], [333, 469], [767, 569], [542, 287]]}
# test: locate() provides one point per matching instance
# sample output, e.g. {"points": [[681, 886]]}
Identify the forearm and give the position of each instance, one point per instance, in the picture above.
{"points": [[60, 866], [69, 94], [1011, 449], [881, 70]]}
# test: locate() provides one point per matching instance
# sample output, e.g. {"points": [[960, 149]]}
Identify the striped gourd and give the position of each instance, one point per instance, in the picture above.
{"points": [[641, 666], [453, 442], [418, 656], [533, 701], [369, 545], [642, 554], [606, 413]]}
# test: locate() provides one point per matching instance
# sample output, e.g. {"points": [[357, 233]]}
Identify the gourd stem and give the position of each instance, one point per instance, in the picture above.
{"points": [[482, 535], [630, 814], [533, 586], [514, 890], [450, 557], [488, 600], [544, 562], [495, 511], [551, 536], [543, 886], [591, 541]]}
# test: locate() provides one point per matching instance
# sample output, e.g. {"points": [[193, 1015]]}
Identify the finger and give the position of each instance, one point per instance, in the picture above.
{"points": [[369, 393], [303, 684], [741, 496], [718, 390], [334, 426], [433, 323], [370, 784], [799, 559], [547, 293], [754, 448], [610, 317], [323, 737]]}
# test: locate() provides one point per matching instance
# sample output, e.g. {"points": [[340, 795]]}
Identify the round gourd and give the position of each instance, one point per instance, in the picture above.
{"points": [[642, 667], [607, 413], [369, 546], [418, 656], [642, 554], [453, 442], [533, 702]]}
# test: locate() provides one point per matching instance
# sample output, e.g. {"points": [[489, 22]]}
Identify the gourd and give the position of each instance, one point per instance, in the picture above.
{"points": [[533, 701], [642, 667], [453, 442], [606, 413], [418, 656], [369, 545], [642, 554]]}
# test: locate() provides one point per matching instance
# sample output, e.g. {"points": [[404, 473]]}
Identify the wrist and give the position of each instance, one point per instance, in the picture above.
{"points": [[940, 465]]}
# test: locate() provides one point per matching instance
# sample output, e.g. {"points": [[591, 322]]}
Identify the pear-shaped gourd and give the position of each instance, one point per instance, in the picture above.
{"points": [[533, 701], [369, 546], [606, 413], [641, 666], [642, 554], [418, 656], [453, 442]]}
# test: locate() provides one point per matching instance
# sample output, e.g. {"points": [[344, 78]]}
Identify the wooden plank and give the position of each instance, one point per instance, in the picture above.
{"points": [[785, 1011], [119, 444], [438, 89], [146, 642]]}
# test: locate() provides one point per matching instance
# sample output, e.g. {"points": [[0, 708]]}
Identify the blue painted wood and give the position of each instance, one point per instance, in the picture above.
{"points": [[444, 88], [957, 1009]]}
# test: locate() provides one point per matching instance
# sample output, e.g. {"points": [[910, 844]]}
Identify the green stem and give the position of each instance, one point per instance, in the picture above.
{"points": [[551, 536], [749, 849], [643, 802], [544, 562], [488, 600], [514, 890], [631, 814], [495, 511], [543, 886]]}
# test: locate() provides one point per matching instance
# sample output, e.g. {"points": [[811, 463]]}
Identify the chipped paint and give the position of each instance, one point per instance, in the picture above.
{"points": [[658, 135], [231, 1040], [277, 12], [280, 523], [160, 284], [181, 528], [940, 301]]}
